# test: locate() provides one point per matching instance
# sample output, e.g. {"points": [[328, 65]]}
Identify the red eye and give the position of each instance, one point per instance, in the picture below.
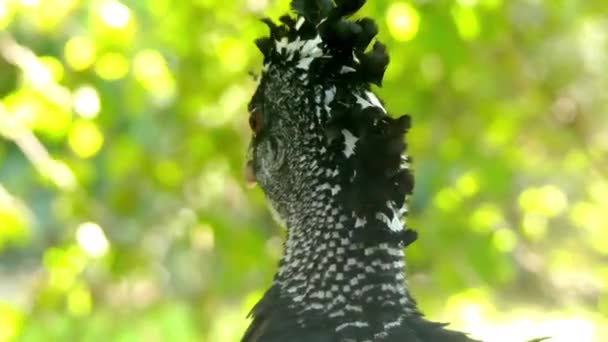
{"points": [[255, 121]]}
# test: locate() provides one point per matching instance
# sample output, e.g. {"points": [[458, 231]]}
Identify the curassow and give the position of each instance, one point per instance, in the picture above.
{"points": [[333, 167]]}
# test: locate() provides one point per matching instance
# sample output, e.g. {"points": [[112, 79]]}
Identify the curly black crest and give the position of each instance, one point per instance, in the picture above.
{"points": [[327, 50], [344, 42]]}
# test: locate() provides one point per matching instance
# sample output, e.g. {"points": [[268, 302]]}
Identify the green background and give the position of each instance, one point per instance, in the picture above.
{"points": [[123, 130]]}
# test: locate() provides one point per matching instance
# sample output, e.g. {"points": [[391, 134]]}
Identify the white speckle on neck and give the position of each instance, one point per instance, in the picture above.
{"points": [[362, 102], [371, 101], [336, 314], [311, 47], [330, 94], [304, 63], [358, 324], [299, 23], [350, 142], [334, 190], [374, 100], [394, 223], [281, 44], [360, 222], [392, 324], [346, 69], [293, 46], [405, 164]]}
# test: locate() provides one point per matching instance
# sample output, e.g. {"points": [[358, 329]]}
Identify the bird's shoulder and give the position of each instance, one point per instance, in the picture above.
{"points": [[274, 321]]}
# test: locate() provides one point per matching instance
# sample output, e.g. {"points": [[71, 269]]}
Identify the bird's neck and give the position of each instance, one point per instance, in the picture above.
{"points": [[331, 269]]}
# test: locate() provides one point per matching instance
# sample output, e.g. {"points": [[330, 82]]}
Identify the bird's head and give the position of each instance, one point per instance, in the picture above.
{"points": [[319, 132]]}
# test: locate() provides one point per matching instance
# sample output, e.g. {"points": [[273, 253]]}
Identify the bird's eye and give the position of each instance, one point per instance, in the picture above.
{"points": [[255, 121]]}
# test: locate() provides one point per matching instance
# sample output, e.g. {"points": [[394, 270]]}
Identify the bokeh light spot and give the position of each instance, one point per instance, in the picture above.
{"points": [[30, 3], [486, 217], [467, 3], [203, 238], [468, 184], [79, 53], [112, 66], [534, 226], [14, 220], [466, 22], [5, 15], [168, 173], [10, 322], [85, 139], [53, 66], [92, 239], [86, 102], [152, 71], [447, 199], [592, 219], [232, 55], [79, 301], [548, 200], [114, 14], [403, 21], [149, 66], [504, 240]]}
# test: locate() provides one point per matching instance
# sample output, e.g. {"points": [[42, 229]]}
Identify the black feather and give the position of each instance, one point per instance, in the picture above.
{"points": [[264, 45], [374, 63], [271, 25], [348, 7], [341, 34], [369, 31], [288, 21], [312, 10]]}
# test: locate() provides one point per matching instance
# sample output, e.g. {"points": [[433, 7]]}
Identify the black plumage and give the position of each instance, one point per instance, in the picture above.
{"points": [[332, 164]]}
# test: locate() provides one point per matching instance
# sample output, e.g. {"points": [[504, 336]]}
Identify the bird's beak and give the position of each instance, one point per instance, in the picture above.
{"points": [[249, 175]]}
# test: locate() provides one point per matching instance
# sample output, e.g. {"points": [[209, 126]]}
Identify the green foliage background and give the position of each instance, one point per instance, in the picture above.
{"points": [[123, 129]]}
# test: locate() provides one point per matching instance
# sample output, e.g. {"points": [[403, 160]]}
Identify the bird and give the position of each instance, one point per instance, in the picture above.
{"points": [[333, 167]]}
